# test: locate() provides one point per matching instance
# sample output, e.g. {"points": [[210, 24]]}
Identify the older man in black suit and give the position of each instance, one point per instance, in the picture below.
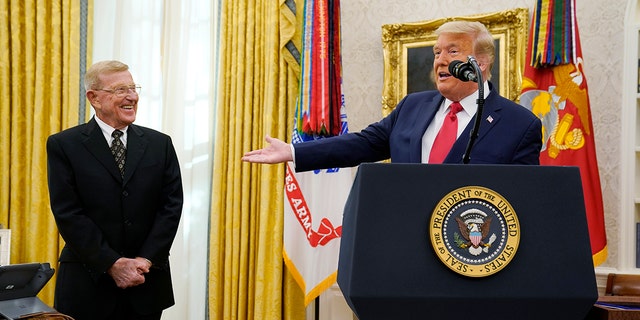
{"points": [[118, 215]]}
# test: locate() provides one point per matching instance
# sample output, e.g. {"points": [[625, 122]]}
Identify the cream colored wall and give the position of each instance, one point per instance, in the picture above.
{"points": [[601, 26]]}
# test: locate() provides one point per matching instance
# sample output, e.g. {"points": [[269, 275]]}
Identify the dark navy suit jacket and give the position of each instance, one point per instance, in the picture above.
{"points": [[508, 134]]}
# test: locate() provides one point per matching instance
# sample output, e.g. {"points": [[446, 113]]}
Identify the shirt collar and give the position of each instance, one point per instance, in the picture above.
{"points": [[469, 103], [107, 130]]}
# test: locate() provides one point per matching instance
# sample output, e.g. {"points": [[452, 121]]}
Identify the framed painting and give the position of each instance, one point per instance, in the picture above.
{"points": [[408, 54]]}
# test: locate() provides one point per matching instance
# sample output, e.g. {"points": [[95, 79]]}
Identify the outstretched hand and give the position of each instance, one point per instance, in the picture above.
{"points": [[277, 151]]}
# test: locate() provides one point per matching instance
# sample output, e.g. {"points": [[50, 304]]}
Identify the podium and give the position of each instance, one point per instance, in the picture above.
{"points": [[388, 268]]}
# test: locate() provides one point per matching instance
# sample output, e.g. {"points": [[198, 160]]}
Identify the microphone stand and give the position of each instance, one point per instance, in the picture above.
{"points": [[480, 103]]}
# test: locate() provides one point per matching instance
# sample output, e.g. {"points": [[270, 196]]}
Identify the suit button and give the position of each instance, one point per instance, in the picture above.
{"points": [[128, 223], [125, 193]]}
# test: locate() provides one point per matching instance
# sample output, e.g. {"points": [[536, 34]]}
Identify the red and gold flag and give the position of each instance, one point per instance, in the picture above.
{"points": [[555, 89]]}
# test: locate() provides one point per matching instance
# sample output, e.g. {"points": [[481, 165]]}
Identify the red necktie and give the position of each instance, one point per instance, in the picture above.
{"points": [[446, 136]]}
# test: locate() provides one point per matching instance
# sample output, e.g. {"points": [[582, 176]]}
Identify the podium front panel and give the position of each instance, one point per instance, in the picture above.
{"points": [[388, 268]]}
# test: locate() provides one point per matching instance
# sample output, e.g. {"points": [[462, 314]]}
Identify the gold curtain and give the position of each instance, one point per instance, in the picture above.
{"points": [[256, 96], [39, 90]]}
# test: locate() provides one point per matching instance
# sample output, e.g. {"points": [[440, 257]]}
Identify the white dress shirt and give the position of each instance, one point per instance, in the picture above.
{"points": [[107, 130], [469, 106]]}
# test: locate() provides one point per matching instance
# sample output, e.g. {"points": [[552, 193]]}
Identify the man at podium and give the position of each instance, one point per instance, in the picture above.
{"points": [[407, 250], [432, 126]]}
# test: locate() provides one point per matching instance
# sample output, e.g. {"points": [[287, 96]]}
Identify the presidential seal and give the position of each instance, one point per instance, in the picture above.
{"points": [[474, 231]]}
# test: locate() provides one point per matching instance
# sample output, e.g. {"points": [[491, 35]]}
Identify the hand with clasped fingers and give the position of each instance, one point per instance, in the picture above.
{"points": [[277, 151], [127, 272]]}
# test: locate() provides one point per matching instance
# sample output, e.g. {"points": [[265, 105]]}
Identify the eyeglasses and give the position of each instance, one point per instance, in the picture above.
{"points": [[123, 91]]}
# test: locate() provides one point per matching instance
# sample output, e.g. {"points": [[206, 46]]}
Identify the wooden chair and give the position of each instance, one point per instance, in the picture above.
{"points": [[623, 285]]}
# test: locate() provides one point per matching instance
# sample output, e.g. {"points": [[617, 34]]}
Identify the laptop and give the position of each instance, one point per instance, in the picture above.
{"points": [[19, 285]]}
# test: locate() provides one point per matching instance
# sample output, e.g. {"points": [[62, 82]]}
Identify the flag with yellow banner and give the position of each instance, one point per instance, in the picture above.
{"points": [[554, 87]]}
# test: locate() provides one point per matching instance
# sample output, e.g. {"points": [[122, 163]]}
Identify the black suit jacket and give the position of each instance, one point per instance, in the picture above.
{"points": [[103, 216], [509, 134]]}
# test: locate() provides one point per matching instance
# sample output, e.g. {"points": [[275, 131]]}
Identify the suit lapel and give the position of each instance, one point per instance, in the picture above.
{"points": [[490, 117], [96, 144], [426, 112], [136, 145]]}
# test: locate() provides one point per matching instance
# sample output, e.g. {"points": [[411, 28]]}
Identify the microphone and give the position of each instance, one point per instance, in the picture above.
{"points": [[463, 71]]}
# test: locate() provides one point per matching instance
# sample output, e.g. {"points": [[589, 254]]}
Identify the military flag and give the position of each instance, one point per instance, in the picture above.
{"points": [[554, 87], [314, 201]]}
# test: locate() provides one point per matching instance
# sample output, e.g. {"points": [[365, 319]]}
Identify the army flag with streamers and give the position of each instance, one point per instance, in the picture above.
{"points": [[314, 201], [554, 87]]}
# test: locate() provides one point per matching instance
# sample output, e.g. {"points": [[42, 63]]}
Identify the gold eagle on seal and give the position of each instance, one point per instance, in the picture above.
{"points": [[474, 233]]}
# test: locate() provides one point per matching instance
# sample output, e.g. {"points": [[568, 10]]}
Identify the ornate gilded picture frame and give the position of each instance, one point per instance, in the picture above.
{"points": [[408, 55]]}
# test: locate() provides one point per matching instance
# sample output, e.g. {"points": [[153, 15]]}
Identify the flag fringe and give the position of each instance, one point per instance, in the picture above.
{"points": [[299, 279]]}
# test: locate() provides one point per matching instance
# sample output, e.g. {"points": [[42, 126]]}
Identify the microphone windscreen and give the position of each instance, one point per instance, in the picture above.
{"points": [[454, 67]]}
